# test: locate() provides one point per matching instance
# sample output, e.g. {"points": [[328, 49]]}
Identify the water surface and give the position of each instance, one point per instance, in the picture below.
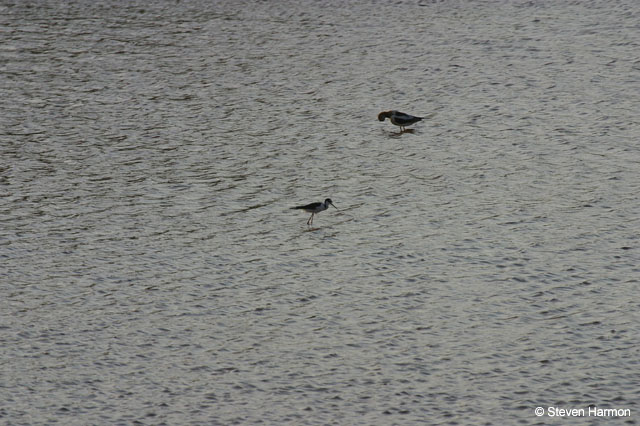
{"points": [[480, 266]]}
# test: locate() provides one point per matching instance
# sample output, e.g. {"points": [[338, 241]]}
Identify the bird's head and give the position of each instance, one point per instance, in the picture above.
{"points": [[383, 115], [329, 202]]}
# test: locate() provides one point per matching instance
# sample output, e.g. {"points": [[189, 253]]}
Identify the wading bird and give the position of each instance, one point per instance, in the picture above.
{"points": [[399, 118], [314, 208]]}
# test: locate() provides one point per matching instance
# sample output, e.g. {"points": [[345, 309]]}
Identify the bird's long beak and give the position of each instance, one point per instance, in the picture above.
{"points": [[335, 207]]}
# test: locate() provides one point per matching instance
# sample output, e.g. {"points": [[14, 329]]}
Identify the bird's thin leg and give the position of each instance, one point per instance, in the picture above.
{"points": [[310, 221]]}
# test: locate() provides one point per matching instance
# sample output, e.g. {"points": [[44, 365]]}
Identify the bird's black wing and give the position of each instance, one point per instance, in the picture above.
{"points": [[311, 206], [403, 118]]}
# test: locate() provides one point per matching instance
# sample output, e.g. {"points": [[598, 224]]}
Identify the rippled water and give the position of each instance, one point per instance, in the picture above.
{"points": [[480, 266]]}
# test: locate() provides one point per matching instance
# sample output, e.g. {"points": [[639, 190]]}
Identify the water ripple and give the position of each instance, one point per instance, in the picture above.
{"points": [[480, 265]]}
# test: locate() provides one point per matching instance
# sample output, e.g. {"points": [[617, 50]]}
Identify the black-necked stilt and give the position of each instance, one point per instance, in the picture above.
{"points": [[399, 118], [314, 208]]}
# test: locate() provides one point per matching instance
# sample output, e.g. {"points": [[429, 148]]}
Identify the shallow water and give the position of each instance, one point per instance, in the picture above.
{"points": [[481, 265]]}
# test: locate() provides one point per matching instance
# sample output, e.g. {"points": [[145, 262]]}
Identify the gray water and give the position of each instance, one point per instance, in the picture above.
{"points": [[481, 265]]}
